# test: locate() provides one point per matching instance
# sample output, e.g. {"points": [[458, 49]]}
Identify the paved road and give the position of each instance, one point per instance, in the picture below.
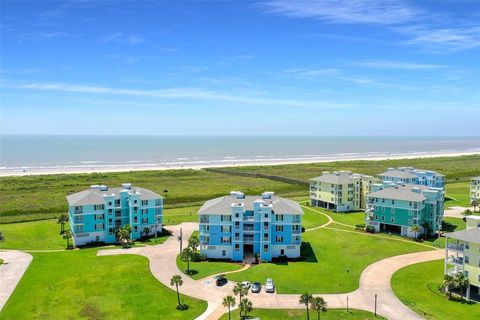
{"points": [[16, 263], [374, 279]]}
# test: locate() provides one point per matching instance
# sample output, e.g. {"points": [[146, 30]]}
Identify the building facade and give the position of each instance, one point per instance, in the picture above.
{"points": [[475, 189], [95, 213], [394, 207], [462, 255], [410, 175], [341, 191], [238, 227]]}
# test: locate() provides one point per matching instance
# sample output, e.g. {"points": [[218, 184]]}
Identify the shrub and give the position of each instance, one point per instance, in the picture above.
{"points": [[360, 226], [370, 229]]}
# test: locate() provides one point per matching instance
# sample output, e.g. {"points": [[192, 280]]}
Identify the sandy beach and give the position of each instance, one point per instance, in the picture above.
{"points": [[18, 171]]}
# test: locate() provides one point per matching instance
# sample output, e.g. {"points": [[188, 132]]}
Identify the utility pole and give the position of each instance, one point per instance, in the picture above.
{"points": [[180, 238], [375, 305], [347, 303]]}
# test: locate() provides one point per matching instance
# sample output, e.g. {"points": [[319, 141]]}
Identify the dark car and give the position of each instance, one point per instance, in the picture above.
{"points": [[221, 280], [256, 287]]}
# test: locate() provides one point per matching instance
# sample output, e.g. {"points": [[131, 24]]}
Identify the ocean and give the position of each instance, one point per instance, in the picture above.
{"points": [[30, 152]]}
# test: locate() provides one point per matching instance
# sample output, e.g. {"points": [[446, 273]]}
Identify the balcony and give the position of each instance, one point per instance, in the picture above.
{"points": [[454, 271], [247, 239], [248, 229], [456, 247], [248, 218], [455, 260], [296, 231]]}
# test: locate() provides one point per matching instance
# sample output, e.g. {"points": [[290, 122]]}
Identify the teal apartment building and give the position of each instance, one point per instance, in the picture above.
{"points": [[95, 213], [237, 227], [411, 175], [395, 207]]}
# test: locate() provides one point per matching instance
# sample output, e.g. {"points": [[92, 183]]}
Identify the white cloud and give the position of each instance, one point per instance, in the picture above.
{"points": [[177, 93], [123, 38], [384, 12], [398, 65]]}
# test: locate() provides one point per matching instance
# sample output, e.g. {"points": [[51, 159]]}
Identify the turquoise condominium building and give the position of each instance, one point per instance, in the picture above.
{"points": [[237, 227], [410, 175], [95, 213], [396, 207]]}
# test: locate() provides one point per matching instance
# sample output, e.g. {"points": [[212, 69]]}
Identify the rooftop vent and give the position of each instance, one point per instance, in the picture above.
{"points": [[268, 195], [416, 189], [100, 187], [237, 194], [127, 186]]}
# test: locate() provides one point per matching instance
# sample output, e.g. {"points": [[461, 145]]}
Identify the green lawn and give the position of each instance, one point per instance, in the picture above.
{"points": [[312, 219], [457, 225], [204, 269], [331, 314], [182, 214], [460, 194], [417, 286], [334, 262], [80, 285], [45, 235], [35, 235]]}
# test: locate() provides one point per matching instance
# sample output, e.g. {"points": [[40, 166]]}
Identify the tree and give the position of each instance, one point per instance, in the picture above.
{"points": [[194, 243], [240, 290], [186, 256], [448, 284], [146, 231], [416, 229], [306, 299], [319, 305], [62, 220], [461, 281], [246, 307], [467, 212], [229, 302], [124, 237], [177, 281], [67, 235], [474, 204], [426, 228]]}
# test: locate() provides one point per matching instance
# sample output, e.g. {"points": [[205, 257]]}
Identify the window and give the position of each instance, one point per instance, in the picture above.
{"points": [[467, 259], [145, 211], [392, 219], [78, 229], [237, 247], [265, 225], [135, 209], [265, 248], [226, 229], [467, 245], [376, 217], [144, 202], [279, 239], [99, 226], [99, 217], [135, 228], [383, 218], [279, 217], [265, 237], [109, 221], [109, 203], [117, 203], [226, 240], [237, 225], [279, 228], [158, 202], [144, 220], [135, 201], [266, 215], [110, 231], [98, 207], [158, 210], [224, 253]]}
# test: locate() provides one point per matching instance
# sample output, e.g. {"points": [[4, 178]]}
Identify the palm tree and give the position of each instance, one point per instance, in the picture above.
{"points": [[229, 302], [194, 243], [67, 235], [416, 229], [467, 212], [306, 299], [62, 219], [240, 290], [474, 205], [146, 231], [124, 237], [177, 281], [186, 255], [448, 284], [246, 307], [426, 228], [462, 282], [319, 305]]}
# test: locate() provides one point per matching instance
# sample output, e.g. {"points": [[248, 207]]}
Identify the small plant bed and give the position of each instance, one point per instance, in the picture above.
{"points": [[419, 287], [2, 262], [331, 314]]}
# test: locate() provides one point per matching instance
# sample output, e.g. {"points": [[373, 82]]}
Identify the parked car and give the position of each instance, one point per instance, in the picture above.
{"points": [[221, 280], [256, 287], [246, 284], [269, 286]]}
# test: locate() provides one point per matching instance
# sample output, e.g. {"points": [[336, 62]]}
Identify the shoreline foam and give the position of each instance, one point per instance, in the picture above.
{"points": [[131, 167]]}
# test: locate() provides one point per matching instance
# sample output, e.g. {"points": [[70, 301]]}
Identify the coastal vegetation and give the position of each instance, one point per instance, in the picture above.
{"points": [[30, 198]]}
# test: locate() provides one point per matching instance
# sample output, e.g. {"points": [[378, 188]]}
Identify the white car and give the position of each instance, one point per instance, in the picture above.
{"points": [[269, 286], [246, 285]]}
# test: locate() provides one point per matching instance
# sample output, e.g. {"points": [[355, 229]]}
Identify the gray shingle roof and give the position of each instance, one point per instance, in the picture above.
{"points": [[397, 174], [469, 235], [95, 196], [399, 193], [222, 205]]}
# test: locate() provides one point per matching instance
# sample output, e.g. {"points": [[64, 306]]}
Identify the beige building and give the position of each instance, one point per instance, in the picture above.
{"points": [[341, 191], [475, 189]]}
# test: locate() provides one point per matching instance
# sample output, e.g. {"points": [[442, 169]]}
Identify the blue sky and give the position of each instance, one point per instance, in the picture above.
{"points": [[241, 67]]}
